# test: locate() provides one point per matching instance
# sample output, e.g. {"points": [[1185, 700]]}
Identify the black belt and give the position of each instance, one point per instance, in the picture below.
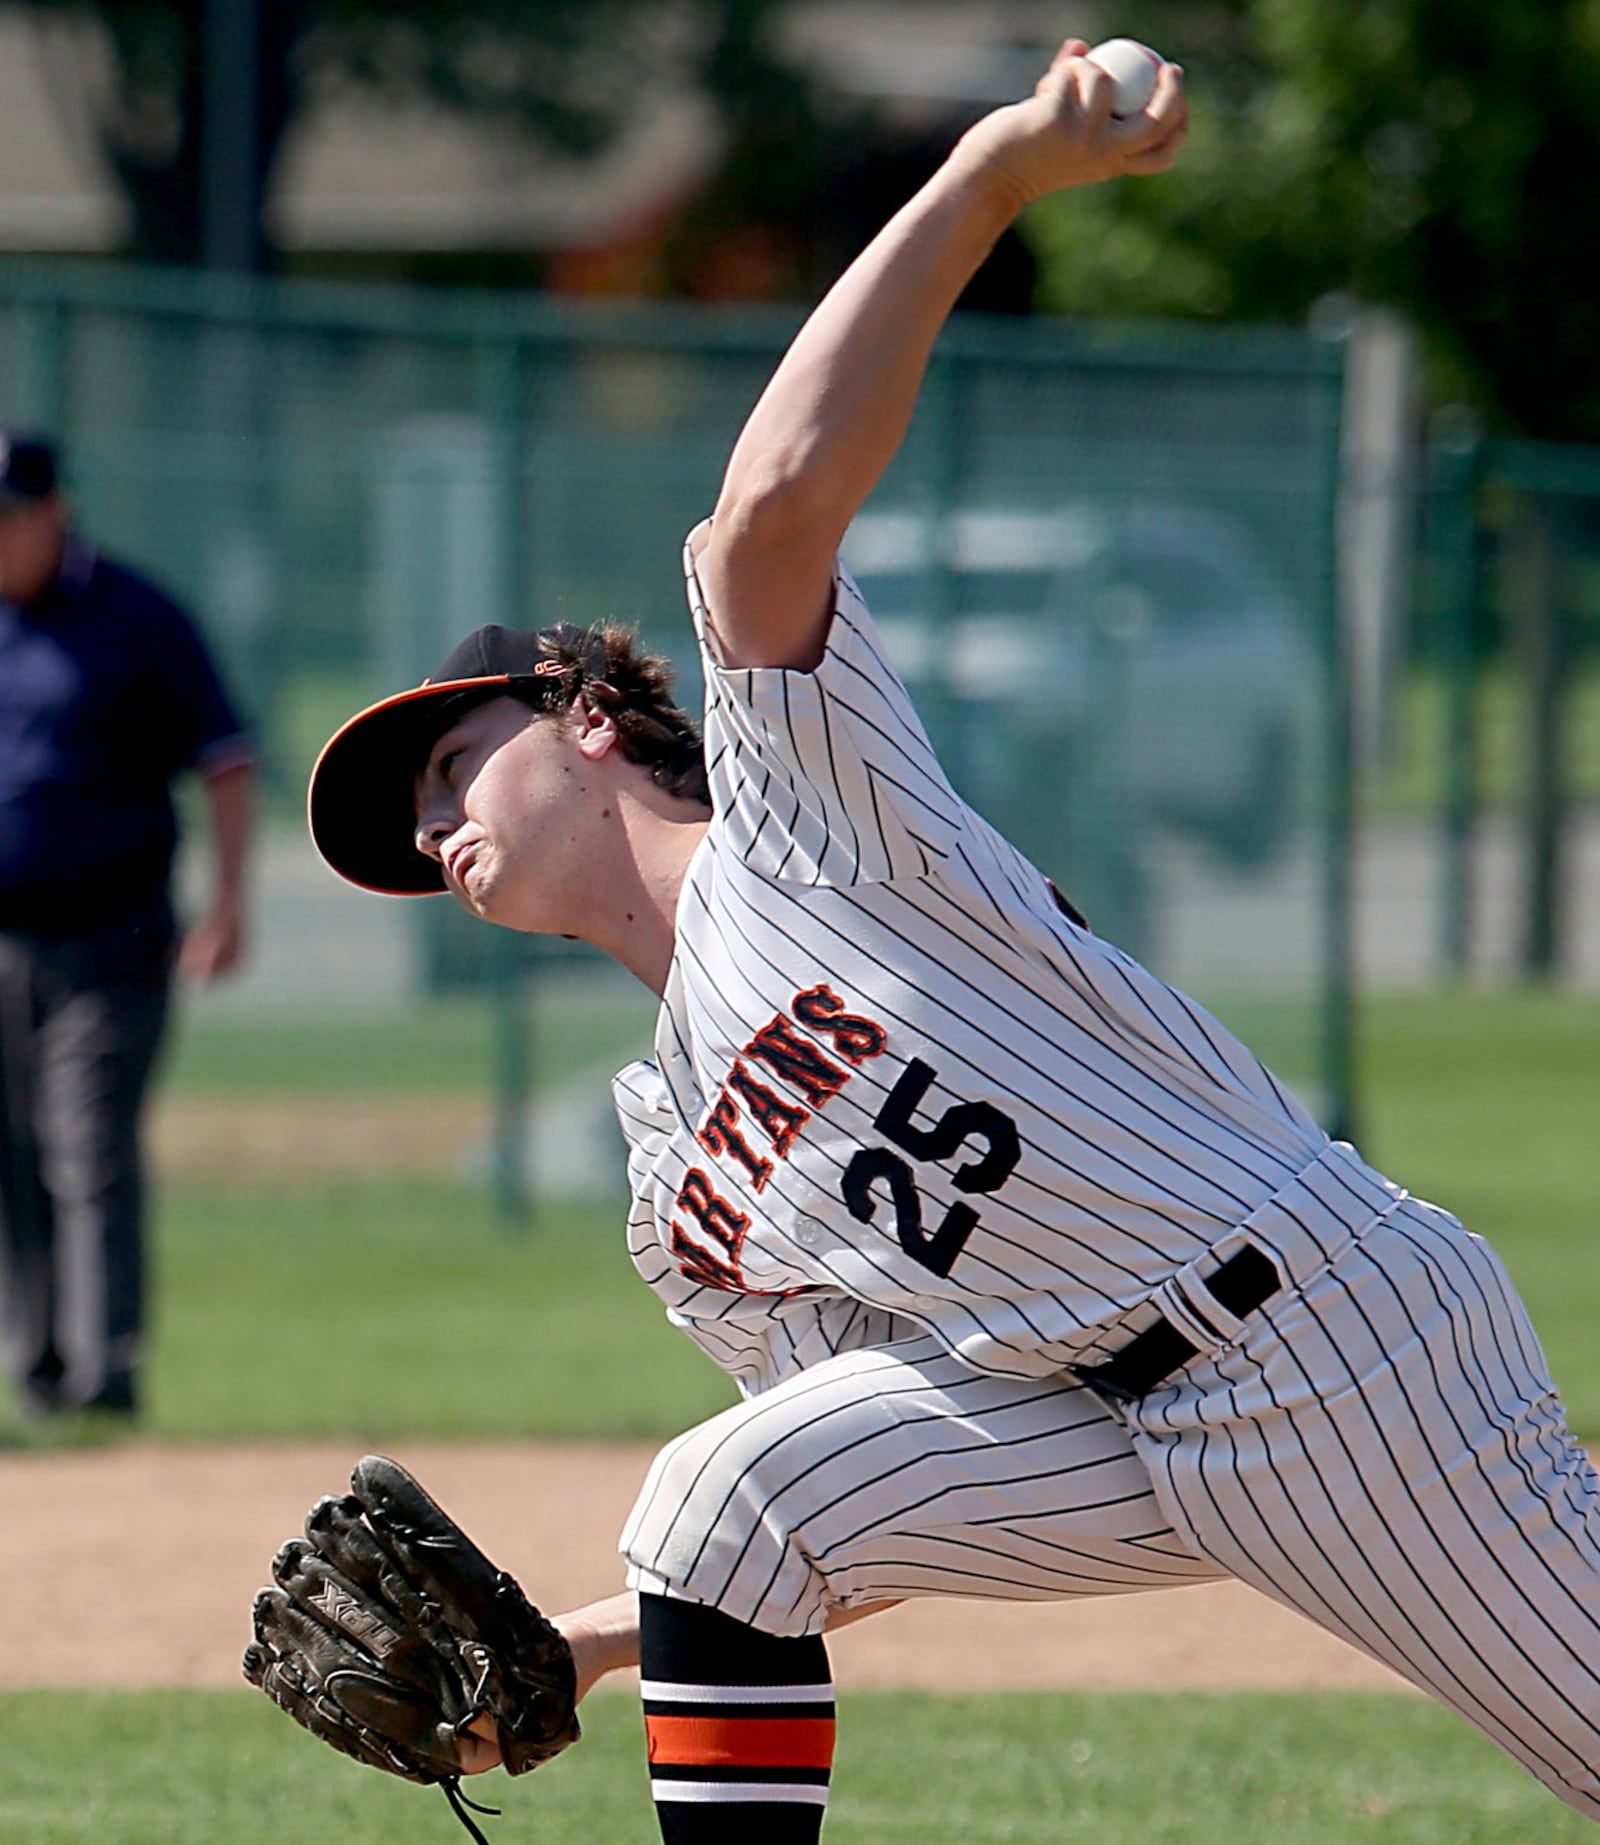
{"points": [[1243, 1283]]}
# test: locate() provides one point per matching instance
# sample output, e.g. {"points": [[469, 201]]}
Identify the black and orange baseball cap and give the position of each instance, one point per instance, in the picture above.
{"points": [[362, 799]]}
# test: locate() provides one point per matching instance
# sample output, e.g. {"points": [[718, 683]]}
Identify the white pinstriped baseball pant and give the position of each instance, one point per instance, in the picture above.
{"points": [[1379, 1447]]}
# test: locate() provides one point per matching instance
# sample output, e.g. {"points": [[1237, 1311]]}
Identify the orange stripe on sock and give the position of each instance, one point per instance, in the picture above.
{"points": [[741, 1742]]}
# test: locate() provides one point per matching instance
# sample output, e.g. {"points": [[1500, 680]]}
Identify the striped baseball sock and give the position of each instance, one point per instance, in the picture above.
{"points": [[739, 1725]]}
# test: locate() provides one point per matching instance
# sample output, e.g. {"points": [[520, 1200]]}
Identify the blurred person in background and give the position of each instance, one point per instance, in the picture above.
{"points": [[107, 695]]}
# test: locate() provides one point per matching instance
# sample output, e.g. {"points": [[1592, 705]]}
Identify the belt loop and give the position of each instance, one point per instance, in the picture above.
{"points": [[1186, 1298], [1203, 1321], [1200, 1313]]}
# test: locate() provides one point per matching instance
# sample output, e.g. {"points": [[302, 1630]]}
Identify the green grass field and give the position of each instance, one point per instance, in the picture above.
{"points": [[225, 1768], [416, 1314], [1489, 1104]]}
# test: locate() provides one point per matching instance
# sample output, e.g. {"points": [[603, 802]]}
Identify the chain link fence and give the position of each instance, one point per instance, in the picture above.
{"points": [[1510, 632]]}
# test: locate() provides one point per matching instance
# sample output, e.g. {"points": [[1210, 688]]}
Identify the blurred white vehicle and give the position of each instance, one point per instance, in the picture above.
{"points": [[1138, 660]]}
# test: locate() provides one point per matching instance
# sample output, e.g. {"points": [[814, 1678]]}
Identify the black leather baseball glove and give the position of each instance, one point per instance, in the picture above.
{"points": [[388, 1632]]}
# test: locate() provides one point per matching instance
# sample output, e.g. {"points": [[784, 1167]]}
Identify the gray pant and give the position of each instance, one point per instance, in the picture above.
{"points": [[80, 1029]]}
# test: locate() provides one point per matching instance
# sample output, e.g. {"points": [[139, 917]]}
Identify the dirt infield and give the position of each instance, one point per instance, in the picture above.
{"points": [[92, 1541], [226, 1140]]}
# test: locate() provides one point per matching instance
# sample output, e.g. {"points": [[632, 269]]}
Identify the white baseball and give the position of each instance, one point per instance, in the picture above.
{"points": [[1133, 68]]}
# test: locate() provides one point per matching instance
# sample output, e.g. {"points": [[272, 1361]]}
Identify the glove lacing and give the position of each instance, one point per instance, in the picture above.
{"points": [[459, 1803]]}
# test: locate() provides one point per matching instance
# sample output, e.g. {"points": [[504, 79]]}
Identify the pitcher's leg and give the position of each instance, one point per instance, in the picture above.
{"points": [[1404, 1476], [740, 1727], [897, 1472]]}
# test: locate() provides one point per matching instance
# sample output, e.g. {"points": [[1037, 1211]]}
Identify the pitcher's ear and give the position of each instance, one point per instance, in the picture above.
{"points": [[594, 727]]}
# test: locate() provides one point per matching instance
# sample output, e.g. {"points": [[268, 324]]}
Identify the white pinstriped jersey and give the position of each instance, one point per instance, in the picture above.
{"points": [[896, 1089], [893, 1085]]}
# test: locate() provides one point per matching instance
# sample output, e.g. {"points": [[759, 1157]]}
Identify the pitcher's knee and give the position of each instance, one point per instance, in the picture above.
{"points": [[715, 1523]]}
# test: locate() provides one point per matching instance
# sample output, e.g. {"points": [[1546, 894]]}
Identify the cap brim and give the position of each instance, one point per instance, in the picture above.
{"points": [[362, 798]]}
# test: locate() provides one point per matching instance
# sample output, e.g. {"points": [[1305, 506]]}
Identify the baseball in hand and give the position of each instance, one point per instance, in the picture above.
{"points": [[1133, 68]]}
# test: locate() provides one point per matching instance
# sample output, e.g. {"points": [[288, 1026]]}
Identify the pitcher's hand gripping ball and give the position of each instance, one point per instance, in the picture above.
{"points": [[388, 1632]]}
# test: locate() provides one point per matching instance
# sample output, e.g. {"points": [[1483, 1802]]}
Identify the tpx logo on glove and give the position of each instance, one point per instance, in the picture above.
{"points": [[356, 1620]]}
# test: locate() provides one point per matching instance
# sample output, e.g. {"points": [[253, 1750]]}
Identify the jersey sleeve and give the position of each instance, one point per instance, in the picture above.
{"points": [[824, 777]]}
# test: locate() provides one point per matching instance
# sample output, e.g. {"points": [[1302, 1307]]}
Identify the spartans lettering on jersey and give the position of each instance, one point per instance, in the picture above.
{"points": [[752, 1124]]}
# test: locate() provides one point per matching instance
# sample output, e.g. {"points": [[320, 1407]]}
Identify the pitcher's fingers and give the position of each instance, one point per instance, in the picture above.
{"points": [[1169, 102], [1070, 48], [478, 1747], [1073, 80], [1097, 94], [1156, 133]]}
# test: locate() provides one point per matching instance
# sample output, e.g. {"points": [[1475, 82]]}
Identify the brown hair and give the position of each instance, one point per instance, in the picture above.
{"points": [[608, 667]]}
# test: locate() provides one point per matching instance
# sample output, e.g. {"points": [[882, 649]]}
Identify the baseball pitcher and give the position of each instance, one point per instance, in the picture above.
{"points": [[1035, 1281]]}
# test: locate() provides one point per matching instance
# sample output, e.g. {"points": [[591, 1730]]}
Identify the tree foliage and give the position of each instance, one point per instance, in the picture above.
{"points": [[1436, 156], [562, 73]]}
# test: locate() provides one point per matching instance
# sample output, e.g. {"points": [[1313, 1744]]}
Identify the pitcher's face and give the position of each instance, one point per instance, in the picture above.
{"points": [[500, 805]]}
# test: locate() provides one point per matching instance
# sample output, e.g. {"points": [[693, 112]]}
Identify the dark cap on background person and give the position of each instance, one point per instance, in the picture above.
{"points": [[28, 471]]}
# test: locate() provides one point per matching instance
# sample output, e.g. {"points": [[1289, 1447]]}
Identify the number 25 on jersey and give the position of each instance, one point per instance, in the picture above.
{"points": [[978, 1122]]}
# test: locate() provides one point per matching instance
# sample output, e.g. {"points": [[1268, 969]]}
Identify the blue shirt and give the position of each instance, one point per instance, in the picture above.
{"points": [[107, 693]]}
